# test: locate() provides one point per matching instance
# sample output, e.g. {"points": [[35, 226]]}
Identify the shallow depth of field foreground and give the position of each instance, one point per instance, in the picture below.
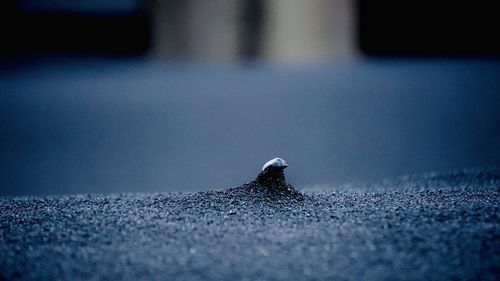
{"points": [[430, 227]]}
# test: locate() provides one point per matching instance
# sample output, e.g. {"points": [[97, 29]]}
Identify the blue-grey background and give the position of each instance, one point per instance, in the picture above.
{"points": [[91, 125], [142, 95]]}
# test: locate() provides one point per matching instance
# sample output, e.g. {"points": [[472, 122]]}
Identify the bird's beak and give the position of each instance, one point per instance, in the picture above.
{"points": [[284, 166]]}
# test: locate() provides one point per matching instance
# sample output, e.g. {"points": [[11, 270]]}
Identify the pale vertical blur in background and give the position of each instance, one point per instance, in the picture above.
{"points": [[277, 30], [149, 95]]}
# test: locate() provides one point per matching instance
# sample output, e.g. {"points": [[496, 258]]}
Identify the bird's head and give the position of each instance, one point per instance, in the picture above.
{"points": [[275, 164]]}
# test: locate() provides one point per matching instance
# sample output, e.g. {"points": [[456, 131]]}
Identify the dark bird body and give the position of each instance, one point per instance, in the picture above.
{"points": [[271, 180]]}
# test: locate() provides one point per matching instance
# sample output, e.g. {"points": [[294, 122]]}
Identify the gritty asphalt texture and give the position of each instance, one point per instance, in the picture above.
{"points": [[429, 227]]}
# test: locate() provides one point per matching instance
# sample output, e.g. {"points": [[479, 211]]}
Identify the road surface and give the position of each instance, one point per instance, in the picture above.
{"points": [[429, 227]]}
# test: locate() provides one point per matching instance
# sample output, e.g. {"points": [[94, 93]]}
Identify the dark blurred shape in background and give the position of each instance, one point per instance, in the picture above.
{"points": [[74, 27], [124, 95], [429, 27], [277, 29]]}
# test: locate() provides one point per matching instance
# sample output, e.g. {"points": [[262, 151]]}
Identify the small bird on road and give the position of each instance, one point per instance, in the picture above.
{"points": [[272, 178], [270, 184], [272, 172]]}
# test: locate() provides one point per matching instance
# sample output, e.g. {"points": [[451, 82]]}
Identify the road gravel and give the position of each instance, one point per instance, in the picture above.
{"points": [[441, 226]]}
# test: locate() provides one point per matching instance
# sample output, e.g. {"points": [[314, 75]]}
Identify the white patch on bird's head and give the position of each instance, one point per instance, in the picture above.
{"points": [[276, 163]]}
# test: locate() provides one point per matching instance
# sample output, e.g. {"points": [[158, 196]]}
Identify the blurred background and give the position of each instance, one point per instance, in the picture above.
{"points": [[182, 95]]}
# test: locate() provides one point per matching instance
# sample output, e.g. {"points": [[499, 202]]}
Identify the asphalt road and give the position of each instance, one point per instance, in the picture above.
{"points": [[430, 227]]}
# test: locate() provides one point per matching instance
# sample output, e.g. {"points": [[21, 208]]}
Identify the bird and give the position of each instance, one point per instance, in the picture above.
{"points": [[270, 184], [272, 179], [272, 172]]}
